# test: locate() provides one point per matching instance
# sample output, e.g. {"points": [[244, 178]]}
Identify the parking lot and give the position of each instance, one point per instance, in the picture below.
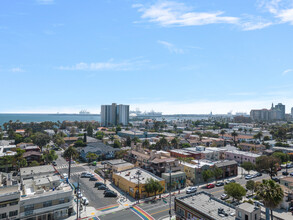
{"points": [[96, 197]]}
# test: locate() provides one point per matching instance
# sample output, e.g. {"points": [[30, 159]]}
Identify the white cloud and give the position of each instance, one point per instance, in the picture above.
{"points": [[109, 65], [281, 9], [285, 72], [45, 2], [171, 47], [16, 70], [167, 13], [286, 15]]}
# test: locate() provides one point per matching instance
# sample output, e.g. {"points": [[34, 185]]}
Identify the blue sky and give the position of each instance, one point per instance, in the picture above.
{"points": [[192, 56]]}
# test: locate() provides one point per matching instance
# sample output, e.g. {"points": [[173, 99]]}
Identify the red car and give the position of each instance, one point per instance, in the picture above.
{"points": [[209, 186]]}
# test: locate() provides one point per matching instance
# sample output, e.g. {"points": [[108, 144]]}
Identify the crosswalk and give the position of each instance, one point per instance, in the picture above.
{"points": [[66, 166]]}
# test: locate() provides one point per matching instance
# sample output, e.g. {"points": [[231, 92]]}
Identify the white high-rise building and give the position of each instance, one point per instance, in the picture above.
{"points": [[114, 114]]}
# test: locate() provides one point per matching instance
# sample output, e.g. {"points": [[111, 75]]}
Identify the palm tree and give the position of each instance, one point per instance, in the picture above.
{"points": [[245, 130], [271, 193], [70, 153], [222, 133], [234, 134], [175, 142]]}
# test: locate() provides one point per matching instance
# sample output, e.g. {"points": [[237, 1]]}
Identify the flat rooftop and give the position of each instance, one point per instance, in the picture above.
{"points": [[243, 153], [38, 170], [207, 204], [131, 175]]}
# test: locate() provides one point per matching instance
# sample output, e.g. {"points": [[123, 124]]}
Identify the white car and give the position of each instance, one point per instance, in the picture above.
{"points": [[248, 177], [84, 200], [191, 190], [224, 196], [79, 194], [65, 175]]}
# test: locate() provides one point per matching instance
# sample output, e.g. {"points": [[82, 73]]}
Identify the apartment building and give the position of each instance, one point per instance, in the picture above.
{"points": [[241, 156], [114, 114], [44, 196]]}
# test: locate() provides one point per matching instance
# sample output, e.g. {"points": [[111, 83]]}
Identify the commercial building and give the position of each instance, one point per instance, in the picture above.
{"points": [[44, 195], [9, 201], [203, 205], [252, 147], [133, 182], [114, 114], [178, 180], [241, 156], [229, 168]]}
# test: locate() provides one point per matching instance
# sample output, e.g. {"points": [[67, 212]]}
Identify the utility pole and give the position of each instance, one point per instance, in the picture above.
{"points": [[104, 173], [77, 199], [170, 205], [138, 173]]}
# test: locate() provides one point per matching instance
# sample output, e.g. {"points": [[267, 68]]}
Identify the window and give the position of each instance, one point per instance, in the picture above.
{"points": [[188, 215], [61, 201], [239, 214], [13, 213], [47, 204], [3, 215], [29, 208], [13, 203], [3, 205]]}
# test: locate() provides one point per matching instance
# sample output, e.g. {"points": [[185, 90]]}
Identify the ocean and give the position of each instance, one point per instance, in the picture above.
{"points": [[48, 117]]}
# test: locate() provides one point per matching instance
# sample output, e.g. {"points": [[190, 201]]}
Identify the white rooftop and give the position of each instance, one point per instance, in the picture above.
{"points": [[131, 175]]}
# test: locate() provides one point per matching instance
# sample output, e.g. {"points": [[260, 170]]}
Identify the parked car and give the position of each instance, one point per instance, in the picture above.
{"points": [[65, 175], [210, 185], [54, 163], [291, 174], [258, 174], [84, 200], [86, 175], [93, 178], [285, 173], [224, 196], [258, 203], [220, 184], [230, 181], [248, 177], [276, 179], [102, 187], [191, 190], [97, 184], [110, 194], [108, 190]]}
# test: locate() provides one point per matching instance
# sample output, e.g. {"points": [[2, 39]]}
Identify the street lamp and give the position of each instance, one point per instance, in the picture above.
{"points": [[77, 198], [170, 206]]}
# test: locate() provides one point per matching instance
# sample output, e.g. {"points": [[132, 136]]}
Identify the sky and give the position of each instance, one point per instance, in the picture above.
{"points": [[182, 56]]}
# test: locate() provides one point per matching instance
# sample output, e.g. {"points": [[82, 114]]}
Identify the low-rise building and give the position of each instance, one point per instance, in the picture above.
{"points": [[44, 195], [133, 182], [252, 147], [100, 149], [178, 180], [203, 205], [9, 202], [241, 156], [287, 181], [229, 168]]}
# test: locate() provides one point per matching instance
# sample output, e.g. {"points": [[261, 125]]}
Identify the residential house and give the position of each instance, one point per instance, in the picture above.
{"points": [[100, 149]]}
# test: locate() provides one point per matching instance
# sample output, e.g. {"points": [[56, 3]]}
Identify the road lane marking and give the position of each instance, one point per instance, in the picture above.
{"points": [[160, 211]]}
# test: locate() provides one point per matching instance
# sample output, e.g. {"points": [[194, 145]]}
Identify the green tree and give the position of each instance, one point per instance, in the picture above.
{"points": [[234, 134], [281, 156], [70, 153], [120, 154], [207, 174], [18, 138], [118, 128], [117, 144], [185, 145], [258, 135], [79, 143], [58, 140], [149, 186], [146, 143], [158, 188], [222, 133], [235, 190], [175, 142], [218, 172], [271, 194], [90, 130], [49, 156], [41, 139], [91, 157], [34, 163], [100, 135], [250, 184], [268, 164], [248, 166]]}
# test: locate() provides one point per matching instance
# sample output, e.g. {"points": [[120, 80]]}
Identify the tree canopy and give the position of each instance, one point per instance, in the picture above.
{"points": [[235, 190]]}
